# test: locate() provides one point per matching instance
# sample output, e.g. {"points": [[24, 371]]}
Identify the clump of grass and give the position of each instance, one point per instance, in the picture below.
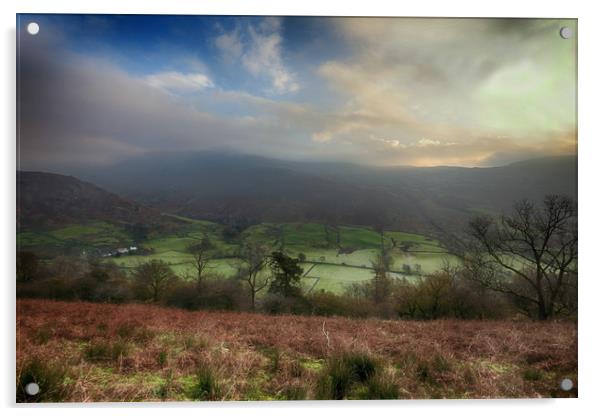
{"points": [[408, 360], [43, 335], [255, 388], [50, 377], [423, 371], [162, 358], [206, 386], [165, 389], [532, 374], [379, 388], [361, 365], [193, 343], [469, 376], [441, 364], [342, 371], [274, 358], [97, 351], [296, 369], [126, 330], [294, 392], [119, 349], [430, 370], [106, 351], [134, 333], [334, 382]]}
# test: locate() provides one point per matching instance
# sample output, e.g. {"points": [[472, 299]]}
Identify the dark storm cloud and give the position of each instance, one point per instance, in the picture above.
{"points": [[78, 110]]}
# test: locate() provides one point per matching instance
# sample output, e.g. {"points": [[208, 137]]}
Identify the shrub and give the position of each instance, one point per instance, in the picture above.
{"points": [[327, 304], [223, 294], [28, 266], [69, 278], [183, 295], [215, 294], [50, 377], [275, 304]]}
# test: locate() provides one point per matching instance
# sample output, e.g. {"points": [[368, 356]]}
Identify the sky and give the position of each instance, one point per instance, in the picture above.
{"points": [[94, 90]]}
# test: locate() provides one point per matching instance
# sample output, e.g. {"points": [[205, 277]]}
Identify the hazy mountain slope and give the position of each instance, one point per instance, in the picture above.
{"points": [[219, 186], [47, 200]]}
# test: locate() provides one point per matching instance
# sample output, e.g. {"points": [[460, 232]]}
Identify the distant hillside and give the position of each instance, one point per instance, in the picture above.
{"points": [[50, 200], [219, 186]]}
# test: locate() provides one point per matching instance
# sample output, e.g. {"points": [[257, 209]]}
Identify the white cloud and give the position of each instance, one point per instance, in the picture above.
{"points": [[264, 58], [178, 82], [259, 49], [431, 142], [394, 143], [423, 90], [321, 136], [230, 45]]}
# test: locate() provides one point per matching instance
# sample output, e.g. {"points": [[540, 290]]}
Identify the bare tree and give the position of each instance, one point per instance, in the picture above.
{"points": [[253, 260], [201, 256], [530, 255], [154, 277], [381, 281]]}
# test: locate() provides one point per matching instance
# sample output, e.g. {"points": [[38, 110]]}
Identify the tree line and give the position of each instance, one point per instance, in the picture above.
{"points": [[520, 263]]}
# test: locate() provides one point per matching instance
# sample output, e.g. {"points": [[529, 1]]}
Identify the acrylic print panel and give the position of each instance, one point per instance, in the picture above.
{"points": [[295, 208]]}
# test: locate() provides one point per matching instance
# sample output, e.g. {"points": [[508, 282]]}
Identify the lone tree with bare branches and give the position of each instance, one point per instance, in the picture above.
{"points": [[201, 255], [530, 255], [154, 278], [254, 259], [381, 282]]}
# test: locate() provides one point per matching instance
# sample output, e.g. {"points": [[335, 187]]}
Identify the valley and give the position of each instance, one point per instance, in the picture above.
{"points": [[332, 257]]}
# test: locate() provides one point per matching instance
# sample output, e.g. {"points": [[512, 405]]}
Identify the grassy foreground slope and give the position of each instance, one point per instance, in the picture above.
{"points": [[99, 352]]}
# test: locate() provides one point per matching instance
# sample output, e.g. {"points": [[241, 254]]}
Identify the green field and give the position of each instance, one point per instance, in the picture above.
{"points": [[76, 237], [328, 265]]}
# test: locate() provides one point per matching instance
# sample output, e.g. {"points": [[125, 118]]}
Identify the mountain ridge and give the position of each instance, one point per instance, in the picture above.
{"points": [[50, 200], [218, 187]]}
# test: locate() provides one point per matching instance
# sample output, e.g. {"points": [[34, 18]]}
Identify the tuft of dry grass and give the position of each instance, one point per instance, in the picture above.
{"points": [[149, 353]]}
